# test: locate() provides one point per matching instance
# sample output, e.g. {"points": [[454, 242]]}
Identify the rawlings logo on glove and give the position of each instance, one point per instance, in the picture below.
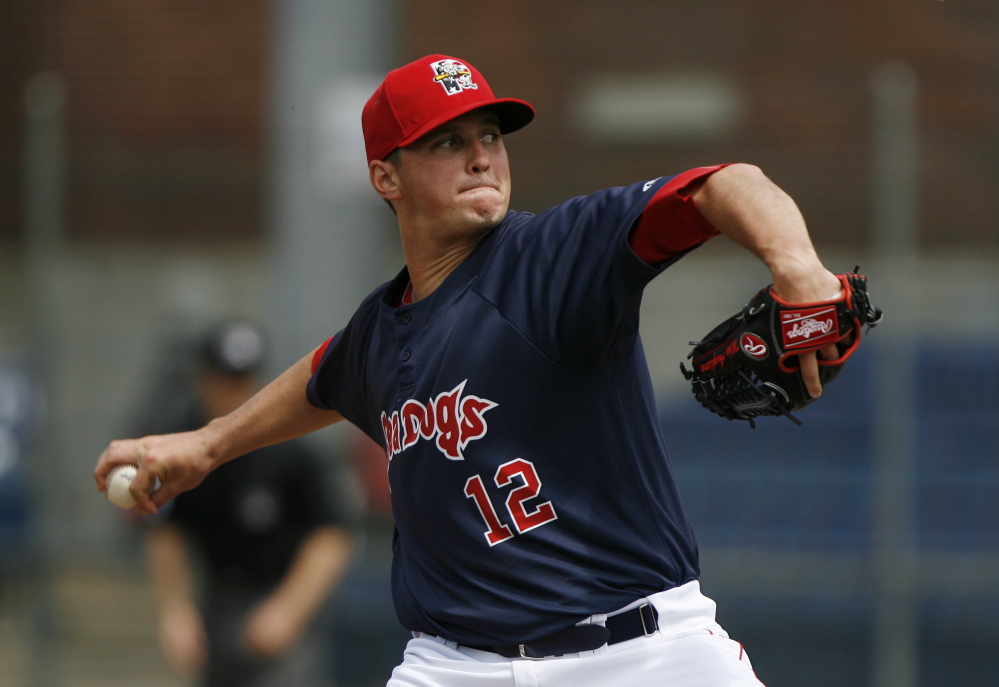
{"points": [[799, 327], [747, 366]]}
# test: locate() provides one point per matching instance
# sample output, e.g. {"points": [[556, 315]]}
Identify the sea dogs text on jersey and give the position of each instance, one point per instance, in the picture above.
{"points": [[450, 419]]}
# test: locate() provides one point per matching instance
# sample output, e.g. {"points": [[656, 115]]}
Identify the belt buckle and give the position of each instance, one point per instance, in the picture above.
{"points": [[523, 654], [641, 616]]}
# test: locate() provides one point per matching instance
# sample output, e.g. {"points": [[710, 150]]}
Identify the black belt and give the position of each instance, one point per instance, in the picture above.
{"points": [[638, 622]]}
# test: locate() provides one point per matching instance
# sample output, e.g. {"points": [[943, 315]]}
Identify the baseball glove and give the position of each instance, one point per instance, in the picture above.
{"points": [[747, 366]]}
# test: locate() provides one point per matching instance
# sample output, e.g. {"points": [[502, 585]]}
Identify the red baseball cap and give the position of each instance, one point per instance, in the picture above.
{"points": [[424, 94]]}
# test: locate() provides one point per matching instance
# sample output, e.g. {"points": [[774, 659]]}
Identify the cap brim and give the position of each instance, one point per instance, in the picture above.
{"points": [[513, 114]]}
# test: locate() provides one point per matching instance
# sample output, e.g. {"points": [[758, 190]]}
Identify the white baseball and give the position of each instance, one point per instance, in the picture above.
{"points": [[118, 482]]}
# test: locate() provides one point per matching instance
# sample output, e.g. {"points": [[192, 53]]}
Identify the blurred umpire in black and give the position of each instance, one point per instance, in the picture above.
{"points": [[243, 565]]}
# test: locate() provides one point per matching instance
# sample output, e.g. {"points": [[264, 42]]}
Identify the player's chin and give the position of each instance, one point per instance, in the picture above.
{"points": [[488, 209]]}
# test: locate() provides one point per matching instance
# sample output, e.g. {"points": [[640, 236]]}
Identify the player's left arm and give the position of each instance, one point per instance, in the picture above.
{"points": [[278, 621], [741, 202]]}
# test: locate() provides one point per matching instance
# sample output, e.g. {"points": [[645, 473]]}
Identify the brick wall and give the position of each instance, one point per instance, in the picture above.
{"points": [[165, 105], [805, 68], [167, 102]]}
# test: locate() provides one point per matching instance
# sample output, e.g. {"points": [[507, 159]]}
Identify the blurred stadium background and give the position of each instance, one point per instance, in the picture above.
{"points": [[164, 164]]}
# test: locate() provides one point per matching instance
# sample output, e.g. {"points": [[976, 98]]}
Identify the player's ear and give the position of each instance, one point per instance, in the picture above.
{"points": [[384, 179]]}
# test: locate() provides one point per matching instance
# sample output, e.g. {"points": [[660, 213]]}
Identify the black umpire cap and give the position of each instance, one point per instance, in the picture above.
{"points": [[233, 348]]}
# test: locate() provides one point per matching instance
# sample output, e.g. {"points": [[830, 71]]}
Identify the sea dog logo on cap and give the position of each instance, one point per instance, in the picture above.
{"points": [[453, 76]]}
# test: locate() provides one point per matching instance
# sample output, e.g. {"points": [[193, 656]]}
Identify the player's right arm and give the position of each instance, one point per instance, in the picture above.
{"points": [[278, 412]]}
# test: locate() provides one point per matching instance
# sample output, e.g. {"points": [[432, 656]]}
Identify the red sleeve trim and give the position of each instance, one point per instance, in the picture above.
{"points": [[671, 222], [318, 355]]}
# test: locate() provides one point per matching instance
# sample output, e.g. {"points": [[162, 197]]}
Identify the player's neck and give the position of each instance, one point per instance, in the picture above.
{"points": [[430, 265], [427, 277]]}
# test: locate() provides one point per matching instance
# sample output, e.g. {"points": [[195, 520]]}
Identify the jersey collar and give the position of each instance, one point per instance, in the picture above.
{"points": [[455, 283]]}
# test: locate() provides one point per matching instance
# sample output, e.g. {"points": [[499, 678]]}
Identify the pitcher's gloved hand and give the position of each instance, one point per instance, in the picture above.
{"points": [[747, 366]]}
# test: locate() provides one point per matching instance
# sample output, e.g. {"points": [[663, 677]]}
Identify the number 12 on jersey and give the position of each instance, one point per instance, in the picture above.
{"points": [[497, 532]]}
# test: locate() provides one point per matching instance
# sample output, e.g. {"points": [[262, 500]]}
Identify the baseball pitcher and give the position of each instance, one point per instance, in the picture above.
{"points": [[540, 538]]}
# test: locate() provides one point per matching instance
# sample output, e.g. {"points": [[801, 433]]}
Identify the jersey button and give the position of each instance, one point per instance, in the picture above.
{"points": [[405, 318], [405, 355]]}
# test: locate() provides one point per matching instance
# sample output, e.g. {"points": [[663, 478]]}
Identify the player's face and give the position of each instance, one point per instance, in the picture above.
{"points": [[457, 177]]}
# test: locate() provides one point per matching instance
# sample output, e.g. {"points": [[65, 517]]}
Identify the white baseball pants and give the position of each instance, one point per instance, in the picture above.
{"points": [[689, 650]]}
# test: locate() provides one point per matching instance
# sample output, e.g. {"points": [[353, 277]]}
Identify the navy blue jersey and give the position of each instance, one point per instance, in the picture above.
{"points": [[530, 482]]}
